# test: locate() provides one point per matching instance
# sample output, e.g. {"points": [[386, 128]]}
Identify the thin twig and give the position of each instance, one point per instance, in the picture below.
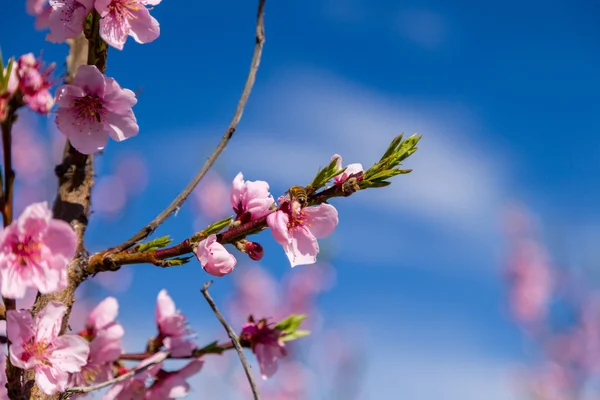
{"points": [[234, 339], [178, 201], [120, 378]]}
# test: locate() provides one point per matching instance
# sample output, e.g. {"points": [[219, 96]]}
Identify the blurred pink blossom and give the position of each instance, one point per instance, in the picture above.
{"points": [[35, 7], [266, 345], [173, 385], [104, 335], [134, 388], [531, 281], [3, 392], [109, 195], [30, 159], [210, 196], [256, 293], [34, 81], [133, 172], [115, 281], [173, 330]]}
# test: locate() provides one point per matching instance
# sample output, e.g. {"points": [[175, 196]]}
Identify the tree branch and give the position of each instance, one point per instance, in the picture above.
{"points": [[179, 200], [72, 204], [234, 339], [213, 348], [120, 378]]}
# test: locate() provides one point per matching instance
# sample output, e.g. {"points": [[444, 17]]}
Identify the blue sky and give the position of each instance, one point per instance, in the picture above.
{"points": [[505, 96]]}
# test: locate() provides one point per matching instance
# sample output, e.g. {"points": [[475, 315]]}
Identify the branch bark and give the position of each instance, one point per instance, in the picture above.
{"points": [[234, 339], [237, 116], [72, 204]]}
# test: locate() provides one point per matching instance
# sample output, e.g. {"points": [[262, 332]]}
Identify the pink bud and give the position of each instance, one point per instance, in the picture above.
{"points": [[255, 251], [215, 259]]}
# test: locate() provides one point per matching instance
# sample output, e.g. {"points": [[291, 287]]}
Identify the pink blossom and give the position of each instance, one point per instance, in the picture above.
{"points": [[4, 99], [215, 258], [531, 281], [209, 196], [35, 7], [34, 252], [122, 18], [173, 385], [42, 21], [3, 392], [134, 388], [297, 229], [94, 107], [173, 329], [36, 344], [250, 199], [34, 80], [101, 326], [66, 19], [351, 169], [265, 344]]}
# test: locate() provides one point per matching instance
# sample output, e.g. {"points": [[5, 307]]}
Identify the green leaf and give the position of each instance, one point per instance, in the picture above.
{"points": [[213, 348], [178, 261], [326, 174], [217, 226], [393, 146], [291, 323], [294, 335], [9, 68], [155, 244], [376, 184]]}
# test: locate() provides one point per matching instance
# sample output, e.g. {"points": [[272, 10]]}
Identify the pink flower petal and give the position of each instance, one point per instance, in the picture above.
{"points": [[323, 219], [114, 31], [102, 7], [87, 137], [50, 380], [278, 222], [117, 99], [91, 80], [49, 321], [70, 353], [103, 314], [66, 21], [303, 248], [35, 219], [267, 356], [144, 27], [237, 187], [121, 126], [67, 94], [61, 238]]}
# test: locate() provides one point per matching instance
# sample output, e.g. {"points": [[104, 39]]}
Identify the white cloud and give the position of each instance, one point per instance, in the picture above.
{"points": [[310, 115]]}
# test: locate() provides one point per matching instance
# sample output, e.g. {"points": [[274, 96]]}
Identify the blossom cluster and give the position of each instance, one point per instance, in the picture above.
{"points": [[558, 309], [26, 82], [119, 19], [293, 225], [71, 360], [92, 356]]}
